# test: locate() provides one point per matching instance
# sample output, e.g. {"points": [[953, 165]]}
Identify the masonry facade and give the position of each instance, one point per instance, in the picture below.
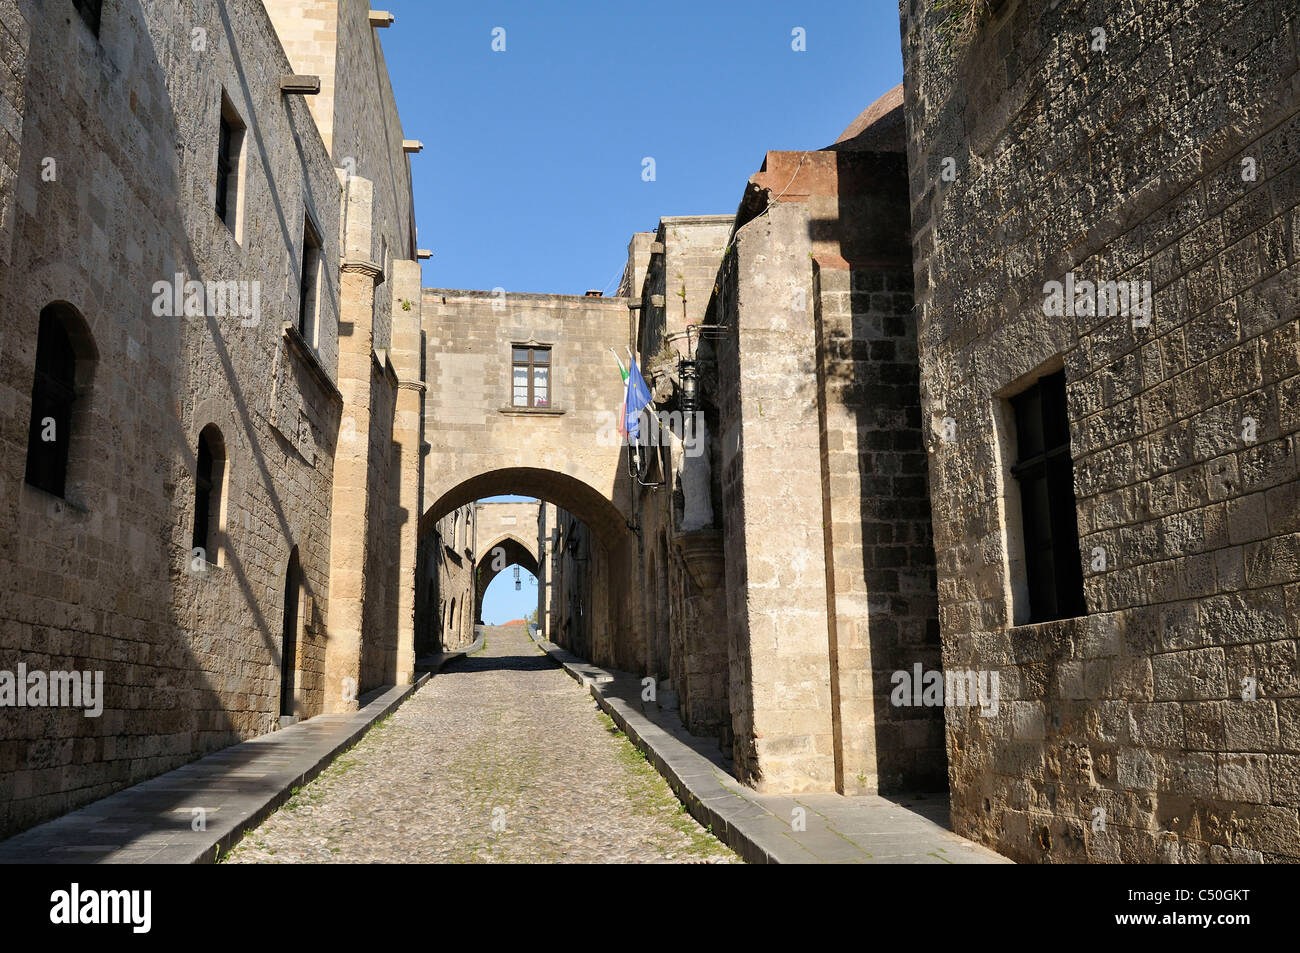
{"points": [[1153, 716], [445, 583], [176, 390]]}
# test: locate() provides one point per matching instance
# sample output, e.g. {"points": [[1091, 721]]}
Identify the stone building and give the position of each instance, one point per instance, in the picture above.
{"points": [[674, 269], [181, 416], [445, 612], [1114, 475], [829, 566], [378, 469]]}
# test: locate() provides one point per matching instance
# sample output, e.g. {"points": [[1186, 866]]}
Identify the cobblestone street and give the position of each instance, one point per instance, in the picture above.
{"points": [[500, 758]]}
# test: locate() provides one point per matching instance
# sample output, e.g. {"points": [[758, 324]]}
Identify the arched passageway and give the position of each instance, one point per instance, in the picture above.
{"points": [[601, 571]]}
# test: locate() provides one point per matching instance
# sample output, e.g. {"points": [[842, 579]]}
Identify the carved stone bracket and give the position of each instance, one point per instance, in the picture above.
{"points": [[702, 551]]}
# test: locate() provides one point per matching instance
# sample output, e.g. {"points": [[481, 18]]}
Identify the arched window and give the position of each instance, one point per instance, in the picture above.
{"points": [[209, 475], [64, 352]]}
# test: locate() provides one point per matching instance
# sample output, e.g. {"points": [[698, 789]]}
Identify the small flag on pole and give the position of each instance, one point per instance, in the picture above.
{"points": [[622, 407], [635, 400]]}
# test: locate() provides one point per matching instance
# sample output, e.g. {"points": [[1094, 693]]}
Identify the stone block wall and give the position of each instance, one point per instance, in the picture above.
{"points": [[102, 578], [1170, 154], [876, 497], [445, 593], [15, 34], [684, 621]]}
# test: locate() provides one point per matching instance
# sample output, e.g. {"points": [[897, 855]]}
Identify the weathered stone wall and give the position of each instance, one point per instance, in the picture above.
{"points": [[572, 586], [684, 622], [14, 37], [1169, 156], [568, 453], [829, 571], [771, 477], [445, 594], [101, 579]]}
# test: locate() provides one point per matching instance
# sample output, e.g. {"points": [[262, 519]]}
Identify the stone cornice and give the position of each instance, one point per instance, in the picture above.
{"points": [[364, 267]]}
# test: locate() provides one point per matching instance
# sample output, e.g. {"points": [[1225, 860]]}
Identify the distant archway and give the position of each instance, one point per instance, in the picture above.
{"points": [[499, 555]]}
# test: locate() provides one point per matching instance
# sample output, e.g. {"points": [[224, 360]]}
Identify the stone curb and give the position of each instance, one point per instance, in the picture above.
{"points": [[36, 844], [384, 702], [715, 799]]}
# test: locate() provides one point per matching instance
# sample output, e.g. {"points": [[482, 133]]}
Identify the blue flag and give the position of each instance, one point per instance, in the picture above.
{"points": [[638, 396]]}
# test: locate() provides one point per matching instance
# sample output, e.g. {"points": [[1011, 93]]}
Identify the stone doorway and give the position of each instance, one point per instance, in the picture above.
{"points": [[289, 651]]}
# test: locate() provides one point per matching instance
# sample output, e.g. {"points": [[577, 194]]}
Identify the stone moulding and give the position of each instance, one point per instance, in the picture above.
{"points": [[532, 412], [304, 353]]}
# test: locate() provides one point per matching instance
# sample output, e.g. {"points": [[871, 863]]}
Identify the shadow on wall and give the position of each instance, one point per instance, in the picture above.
{"points": [[161, 634], [870, 382]]}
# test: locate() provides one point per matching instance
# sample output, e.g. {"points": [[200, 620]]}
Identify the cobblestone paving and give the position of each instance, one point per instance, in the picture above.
{"points": [[502, 736]]}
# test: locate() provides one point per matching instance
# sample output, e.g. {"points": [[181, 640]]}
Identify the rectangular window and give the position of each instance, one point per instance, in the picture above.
{"points": [[309, 281], [1045, 474], [90, 12], [531, 377], [230, 144]]}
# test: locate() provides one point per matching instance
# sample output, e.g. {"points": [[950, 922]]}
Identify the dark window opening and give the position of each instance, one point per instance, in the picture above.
{"points": [[90, 11], [223, 167], [308, 282], [53, 395], [208, 473], [289, 632], [1045, 473], [230, 141], [531, 377]]}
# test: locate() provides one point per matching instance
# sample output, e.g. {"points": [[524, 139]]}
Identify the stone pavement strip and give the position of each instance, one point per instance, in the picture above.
{"points": [[762, 827], [234, 789], [498, 759]]}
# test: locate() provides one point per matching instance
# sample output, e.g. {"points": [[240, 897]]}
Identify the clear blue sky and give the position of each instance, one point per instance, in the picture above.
{"points": [[501, 603], [531, 175]]}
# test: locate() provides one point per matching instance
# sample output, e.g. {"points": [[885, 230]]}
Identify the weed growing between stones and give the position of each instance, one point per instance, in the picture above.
{"points": [[961, 20]]}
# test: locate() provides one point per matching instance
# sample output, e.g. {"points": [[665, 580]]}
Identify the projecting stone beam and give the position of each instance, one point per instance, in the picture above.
{"points": [[300, 85]]}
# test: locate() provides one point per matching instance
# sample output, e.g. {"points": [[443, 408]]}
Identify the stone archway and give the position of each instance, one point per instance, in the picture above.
{"points": [[615, 639], [500, 554]]}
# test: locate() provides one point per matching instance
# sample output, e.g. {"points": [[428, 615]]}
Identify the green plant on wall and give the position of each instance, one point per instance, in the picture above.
{"points": [[961, 20]]}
